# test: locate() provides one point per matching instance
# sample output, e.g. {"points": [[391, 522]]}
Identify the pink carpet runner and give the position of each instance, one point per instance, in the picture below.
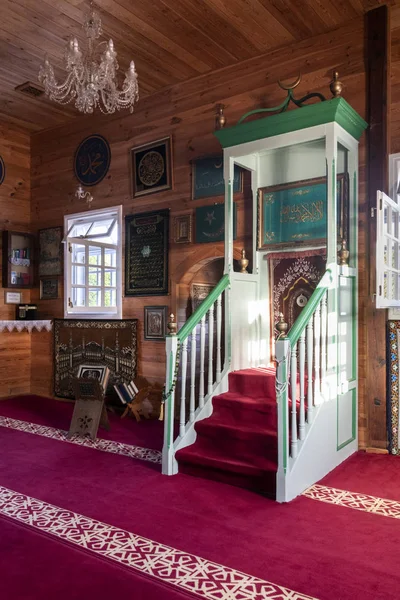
{"points": [[238, 444]]}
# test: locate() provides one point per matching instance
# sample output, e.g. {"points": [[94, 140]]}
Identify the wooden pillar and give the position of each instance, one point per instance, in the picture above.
{"points": [[377, 66]]}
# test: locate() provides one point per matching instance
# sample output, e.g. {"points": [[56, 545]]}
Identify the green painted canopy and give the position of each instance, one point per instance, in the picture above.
{"points": [[337, 110]]}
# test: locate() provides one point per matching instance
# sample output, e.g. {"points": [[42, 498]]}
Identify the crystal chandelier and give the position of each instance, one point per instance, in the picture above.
{"points": [[92, 76]]}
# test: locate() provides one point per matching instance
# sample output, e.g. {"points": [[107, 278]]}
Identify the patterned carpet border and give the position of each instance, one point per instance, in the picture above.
{"points": [[354, 500], [98, 444], [179, 569]]}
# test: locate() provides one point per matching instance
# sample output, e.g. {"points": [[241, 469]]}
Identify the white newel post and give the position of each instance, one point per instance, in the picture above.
{"points": [[282, 398], [169, 464], [182, 417], [302, 362], [193, 375], [317, 346], [324, 316], [210, 349], [293, 385]]}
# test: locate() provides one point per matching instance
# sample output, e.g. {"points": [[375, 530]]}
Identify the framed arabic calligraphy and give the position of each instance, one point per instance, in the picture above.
{"points": [[92, 160], [296, 213], [208, 177], [152, 167]]}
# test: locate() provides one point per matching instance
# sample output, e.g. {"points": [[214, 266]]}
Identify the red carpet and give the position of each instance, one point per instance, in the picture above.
{"points": [[58, 413], [238, 443], [328, 552]]}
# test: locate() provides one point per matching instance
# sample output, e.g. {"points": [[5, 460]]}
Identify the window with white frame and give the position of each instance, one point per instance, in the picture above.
{"points": [[93, 261], [387, 252]]}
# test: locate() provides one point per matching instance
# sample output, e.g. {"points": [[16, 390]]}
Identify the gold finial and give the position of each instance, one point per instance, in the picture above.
{"points": [[243, 261], [220, 119], [336, 86], [172, 326], [343, 253], [281, 326], [289, 86]]}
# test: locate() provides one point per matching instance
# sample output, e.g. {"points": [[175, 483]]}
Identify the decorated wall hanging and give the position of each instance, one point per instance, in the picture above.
{"points": [[210, 223], [146, 254], [393, 400], [92, 160], [152, 167], [50, 251], [2, 170], [208, 177]]}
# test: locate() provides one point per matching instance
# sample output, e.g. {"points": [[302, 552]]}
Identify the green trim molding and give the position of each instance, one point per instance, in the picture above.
{"points": [[335, 110]]}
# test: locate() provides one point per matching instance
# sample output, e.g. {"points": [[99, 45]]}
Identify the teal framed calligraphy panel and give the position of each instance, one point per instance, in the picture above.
{"points": [[208, 177], [294, 213]]}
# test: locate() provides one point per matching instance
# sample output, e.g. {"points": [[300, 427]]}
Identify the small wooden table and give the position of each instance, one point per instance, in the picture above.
{"points": [[89, 410]]}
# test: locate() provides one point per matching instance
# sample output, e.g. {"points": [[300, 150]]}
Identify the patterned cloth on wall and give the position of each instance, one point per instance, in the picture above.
{"points": [[393, 400], [293, 280], [101, 342]]}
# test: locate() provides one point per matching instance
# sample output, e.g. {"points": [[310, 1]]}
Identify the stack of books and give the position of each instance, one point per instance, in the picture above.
{"points": [[126, 391]]}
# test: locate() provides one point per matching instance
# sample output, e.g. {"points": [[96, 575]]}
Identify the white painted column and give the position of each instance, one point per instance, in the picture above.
{"points": [[310, 347], [210, 348], [302, 362], [169, 463], [324, 315], [202, 360], [293, 382], [317, 350], [182, 417], [192, 375], [219, 328]]}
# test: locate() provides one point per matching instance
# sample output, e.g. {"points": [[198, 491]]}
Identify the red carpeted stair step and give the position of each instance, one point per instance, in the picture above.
{"points": [[218, 467], [238, 443]]}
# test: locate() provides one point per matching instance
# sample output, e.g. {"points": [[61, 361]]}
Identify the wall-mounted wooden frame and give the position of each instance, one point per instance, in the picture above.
{"points": [[155, 322], [50, 251], [49, 288], [182, 227], [12, 297], [151, 167]]}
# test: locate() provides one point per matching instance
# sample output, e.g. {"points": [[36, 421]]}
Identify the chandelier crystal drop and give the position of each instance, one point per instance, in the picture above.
{"points": [[92, 75]]}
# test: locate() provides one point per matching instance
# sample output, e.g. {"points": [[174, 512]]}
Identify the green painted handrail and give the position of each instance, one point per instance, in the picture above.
{"points": [[203, 308], [309, 309]]}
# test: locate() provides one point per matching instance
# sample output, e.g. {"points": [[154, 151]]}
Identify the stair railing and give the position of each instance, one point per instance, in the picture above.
{"points": [[203, 377], [301, 375]]}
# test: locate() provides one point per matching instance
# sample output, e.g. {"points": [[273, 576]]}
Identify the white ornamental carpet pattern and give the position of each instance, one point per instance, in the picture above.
{"points": [[97, 444], [364, 502], [179, 569]]}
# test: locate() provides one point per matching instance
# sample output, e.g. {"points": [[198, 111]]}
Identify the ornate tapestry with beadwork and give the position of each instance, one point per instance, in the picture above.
{"points": [[393, 400], [112, 343]]}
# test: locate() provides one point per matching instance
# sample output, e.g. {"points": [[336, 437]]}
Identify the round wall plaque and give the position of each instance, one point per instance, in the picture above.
{"points": [[2, 170], [92, 160]]}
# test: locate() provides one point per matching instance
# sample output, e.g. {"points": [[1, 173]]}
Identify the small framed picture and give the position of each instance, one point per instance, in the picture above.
{"points": [[183, 228], [49, 289], [155, 322], [99, 372], [152, 167], [12, 297]]}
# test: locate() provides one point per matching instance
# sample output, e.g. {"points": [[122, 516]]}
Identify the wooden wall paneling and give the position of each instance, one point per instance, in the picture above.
{"points": [[15, 348], [378, 64]]}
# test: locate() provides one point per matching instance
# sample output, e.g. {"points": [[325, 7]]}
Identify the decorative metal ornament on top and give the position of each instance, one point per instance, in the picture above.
{"points": [[335, 87]]}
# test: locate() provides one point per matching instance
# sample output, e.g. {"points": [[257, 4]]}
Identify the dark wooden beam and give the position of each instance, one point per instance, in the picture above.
{"points": [[377, 71]]}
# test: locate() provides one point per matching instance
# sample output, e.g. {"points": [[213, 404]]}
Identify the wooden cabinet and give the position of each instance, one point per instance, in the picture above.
{"points": [[18, 260]]}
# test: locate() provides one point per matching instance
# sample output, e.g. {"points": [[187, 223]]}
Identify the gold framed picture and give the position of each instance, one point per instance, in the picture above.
{"points": [[152, 167], [183, 228]]}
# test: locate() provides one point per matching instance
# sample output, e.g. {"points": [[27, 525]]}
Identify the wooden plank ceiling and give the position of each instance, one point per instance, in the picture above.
{"points": [[169, 40]]}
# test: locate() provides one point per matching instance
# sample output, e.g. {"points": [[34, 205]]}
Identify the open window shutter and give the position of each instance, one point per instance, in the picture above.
{"points": [[387, 253]]}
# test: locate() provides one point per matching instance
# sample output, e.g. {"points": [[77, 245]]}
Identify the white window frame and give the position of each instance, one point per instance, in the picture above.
{"points": [[394, 176], [387, 246], [84, 311]]}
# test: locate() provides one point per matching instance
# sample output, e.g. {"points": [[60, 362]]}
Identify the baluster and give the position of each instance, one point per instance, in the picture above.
{"points": [[310, 347], [324, 320], [202, 359], [302, 362], [219, 326], [210, 348], [193, 375], [293, 382], [317, 354], [182, 418]]}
